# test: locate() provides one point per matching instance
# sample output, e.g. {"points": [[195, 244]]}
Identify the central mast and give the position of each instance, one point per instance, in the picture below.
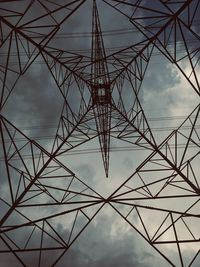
{"points": [[100, 88]]}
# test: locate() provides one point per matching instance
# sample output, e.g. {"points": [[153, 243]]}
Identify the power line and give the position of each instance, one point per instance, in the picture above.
{"points": [[97, 150], [86, 34], [160, 118], [52, 137]]}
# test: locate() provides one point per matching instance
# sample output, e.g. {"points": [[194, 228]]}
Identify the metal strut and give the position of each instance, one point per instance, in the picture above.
{"points": [[100, 88]]}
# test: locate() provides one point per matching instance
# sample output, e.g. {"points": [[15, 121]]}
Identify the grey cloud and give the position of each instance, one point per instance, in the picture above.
{"points": [[160, 75], [35, 97], [98, 247], [36, 100], [85, 170]]}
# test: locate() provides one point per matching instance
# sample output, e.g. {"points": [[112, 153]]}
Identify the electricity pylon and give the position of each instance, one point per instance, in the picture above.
{"points": [[101, 100]]}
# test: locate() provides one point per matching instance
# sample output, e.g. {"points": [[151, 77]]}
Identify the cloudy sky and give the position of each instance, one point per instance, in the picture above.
{"points": [[52, 172]]}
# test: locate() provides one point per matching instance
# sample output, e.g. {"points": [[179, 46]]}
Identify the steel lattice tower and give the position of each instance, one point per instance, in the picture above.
{"points": [[101, 93]]}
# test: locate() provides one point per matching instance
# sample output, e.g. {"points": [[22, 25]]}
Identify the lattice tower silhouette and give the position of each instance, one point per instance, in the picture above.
{"points": [[97, 74]]}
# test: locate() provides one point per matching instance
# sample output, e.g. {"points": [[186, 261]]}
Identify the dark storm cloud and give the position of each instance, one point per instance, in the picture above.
{"points": [[35, 96], [35, 104]]}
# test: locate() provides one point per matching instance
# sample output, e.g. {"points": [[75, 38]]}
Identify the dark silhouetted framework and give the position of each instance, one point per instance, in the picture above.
{"points": [[40, 191]]}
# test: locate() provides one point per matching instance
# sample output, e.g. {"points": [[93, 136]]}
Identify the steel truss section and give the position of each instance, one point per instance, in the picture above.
{"points": [[40, 192]]}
